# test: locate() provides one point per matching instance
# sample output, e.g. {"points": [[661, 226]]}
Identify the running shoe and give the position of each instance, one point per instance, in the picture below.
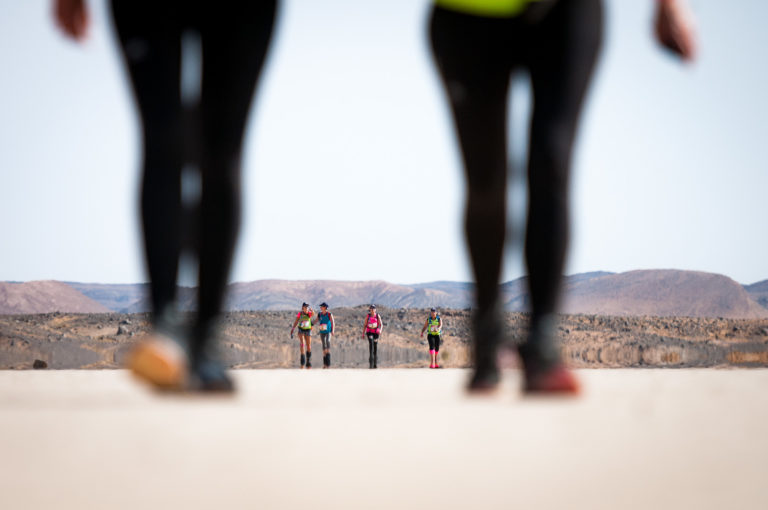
{"points": [[161, 361], [544, 371], [556, 379], [487, 335], [210, 376], [484, 382]]}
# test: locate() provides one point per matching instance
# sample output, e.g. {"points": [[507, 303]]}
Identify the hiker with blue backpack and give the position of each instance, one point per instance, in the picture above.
{"points": [[327, 326]]}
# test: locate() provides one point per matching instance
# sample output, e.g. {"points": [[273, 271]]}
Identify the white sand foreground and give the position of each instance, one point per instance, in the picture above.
{"points": [[385, 439]]}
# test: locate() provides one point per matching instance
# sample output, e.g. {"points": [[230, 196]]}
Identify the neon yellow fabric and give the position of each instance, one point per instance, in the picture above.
{"points": [[490, 8], [305, 322], [434, 326]]}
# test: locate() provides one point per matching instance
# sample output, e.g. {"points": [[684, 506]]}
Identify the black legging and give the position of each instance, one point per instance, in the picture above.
{"points": [[434, 342], [557, 44], [234, 38], [373, 348]]}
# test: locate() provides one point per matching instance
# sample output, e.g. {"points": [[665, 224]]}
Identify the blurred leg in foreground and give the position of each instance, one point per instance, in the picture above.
{"points": [[206, 135], [557, 44], [477, 44]]}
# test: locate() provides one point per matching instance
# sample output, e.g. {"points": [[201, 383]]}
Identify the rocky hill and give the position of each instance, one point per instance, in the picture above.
{"points": [[45, 296], [288, 295], [662, 293], [126, 298], [759, 292], [515, 293], [649, 292]]}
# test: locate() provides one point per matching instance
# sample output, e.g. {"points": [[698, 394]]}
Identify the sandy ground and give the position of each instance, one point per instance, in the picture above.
{"points": [[394, 438]]}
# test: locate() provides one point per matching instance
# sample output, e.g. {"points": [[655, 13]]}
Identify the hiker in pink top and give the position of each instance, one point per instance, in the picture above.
{"points": [[372, 328]]}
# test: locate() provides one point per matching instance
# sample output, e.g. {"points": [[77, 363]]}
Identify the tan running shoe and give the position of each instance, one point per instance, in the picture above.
{"points": [[160, 361]]}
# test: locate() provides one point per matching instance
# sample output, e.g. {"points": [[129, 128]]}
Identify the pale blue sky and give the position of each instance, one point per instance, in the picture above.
{"points": [[669, 170]]}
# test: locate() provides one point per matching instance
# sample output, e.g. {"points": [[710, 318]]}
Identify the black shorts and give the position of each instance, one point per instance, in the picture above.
{"points": [[434, 342], [305, 332], [326, 339], [372, 336]]}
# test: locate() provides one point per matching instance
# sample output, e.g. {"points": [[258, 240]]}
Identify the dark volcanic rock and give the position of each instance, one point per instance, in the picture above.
{"points": [[38, 364]]}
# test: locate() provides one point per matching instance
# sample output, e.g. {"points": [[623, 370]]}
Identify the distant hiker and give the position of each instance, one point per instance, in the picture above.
{"points": [[194, 135], [435, 325], [477, 45], [327, 327], [372, 329], [304, 321]]}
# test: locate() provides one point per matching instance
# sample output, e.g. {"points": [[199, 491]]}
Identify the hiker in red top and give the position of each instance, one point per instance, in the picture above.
{"points": [[372, 328]]}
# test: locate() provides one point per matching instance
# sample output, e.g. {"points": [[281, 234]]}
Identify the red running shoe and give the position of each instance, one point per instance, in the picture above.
{"points": [[555, 380]]}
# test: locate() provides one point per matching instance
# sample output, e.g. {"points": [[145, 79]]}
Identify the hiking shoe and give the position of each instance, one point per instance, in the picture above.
{"points": [[542, 363], [556, 379], [210, 376], [487, 336], [161, 361], [484, 382]]}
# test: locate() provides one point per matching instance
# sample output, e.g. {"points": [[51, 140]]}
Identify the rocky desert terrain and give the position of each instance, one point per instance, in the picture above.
{"points": [[260, 339]]}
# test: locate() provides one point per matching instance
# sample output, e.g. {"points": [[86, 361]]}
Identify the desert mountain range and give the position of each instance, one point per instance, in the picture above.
{"points": [[643, 292], [44, 297]]}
